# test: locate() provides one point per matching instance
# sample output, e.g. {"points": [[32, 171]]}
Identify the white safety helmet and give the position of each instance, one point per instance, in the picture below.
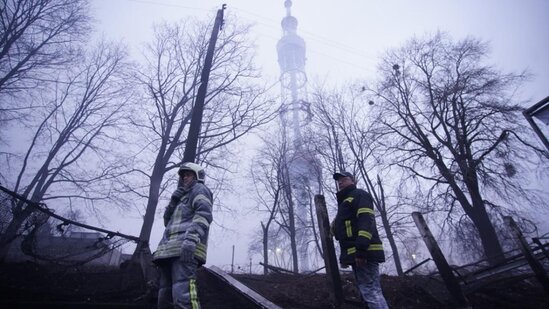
{"points": [[198, 170]]}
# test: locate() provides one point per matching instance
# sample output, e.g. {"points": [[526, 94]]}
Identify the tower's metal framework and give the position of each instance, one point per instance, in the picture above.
{"points": [[295, 117]]}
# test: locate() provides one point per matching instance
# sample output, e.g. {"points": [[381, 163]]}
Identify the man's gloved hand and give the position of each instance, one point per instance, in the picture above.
{"points": [[187, 252], [177, 195]]}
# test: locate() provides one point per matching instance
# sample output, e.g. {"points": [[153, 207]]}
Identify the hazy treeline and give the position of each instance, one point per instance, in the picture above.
{"points": [[87, 127]]}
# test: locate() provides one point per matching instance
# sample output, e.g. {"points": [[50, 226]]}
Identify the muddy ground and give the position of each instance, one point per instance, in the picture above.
{"points": [[410, 292], [35, 286]]}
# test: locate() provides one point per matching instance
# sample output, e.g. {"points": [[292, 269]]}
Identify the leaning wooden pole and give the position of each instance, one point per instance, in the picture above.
{"points": [[142, 252], [198, 109], [330, 258], [444, 269], [536, 266]]}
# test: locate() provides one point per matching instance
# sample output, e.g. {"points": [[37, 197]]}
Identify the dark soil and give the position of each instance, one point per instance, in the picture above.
{"points": [[411, 292], [35, 286]]}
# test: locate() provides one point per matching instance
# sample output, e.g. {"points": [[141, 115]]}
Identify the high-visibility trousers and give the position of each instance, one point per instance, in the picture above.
{"points": [[177, 285]]}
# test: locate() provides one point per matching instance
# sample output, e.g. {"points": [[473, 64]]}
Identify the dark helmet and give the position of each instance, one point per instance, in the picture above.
{"points": [[198, 170], [338, 175]]}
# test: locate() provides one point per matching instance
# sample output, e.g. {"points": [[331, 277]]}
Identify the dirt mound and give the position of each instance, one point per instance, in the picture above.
{"points": [[32, 284], [410, 292]]}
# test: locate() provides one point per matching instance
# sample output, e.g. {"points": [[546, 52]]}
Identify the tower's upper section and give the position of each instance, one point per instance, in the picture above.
{"points": [[291, 47], [289, 23]]}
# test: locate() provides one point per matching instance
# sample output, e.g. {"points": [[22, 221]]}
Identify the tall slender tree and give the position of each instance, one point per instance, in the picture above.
{"points": [[265, 171]]}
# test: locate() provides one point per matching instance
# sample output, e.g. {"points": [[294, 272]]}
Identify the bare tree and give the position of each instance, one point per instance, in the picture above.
{"points": [[287, 218], [346, 142], [265, 173], [235, 104], [451, 123], [77, 125], [287, 191], [328, 138], [38, 37]]}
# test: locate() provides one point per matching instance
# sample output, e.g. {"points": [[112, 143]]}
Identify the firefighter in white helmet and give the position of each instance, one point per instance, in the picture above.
{"points": [[183, 246]]}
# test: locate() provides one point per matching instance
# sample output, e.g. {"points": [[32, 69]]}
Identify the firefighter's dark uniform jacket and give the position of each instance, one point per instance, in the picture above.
{"points": [[355, 227], [189, 219]]}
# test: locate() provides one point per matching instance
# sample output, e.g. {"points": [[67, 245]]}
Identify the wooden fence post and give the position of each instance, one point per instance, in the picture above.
{"points": [[444, 269], [330, 259], [536, 266]]}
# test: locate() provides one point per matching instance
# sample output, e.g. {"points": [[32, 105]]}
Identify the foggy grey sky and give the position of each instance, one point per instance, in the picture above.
{"points": [[344, 41], [345, 38]]}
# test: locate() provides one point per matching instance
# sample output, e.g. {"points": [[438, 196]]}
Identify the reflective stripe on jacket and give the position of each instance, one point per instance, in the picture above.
{"points": [[190, 220], [355, 227]]}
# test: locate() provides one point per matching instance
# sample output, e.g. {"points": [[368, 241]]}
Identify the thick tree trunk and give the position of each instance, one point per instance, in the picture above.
{"points": [[148, 220], [476, 211], [488, 236], [478, 214]]}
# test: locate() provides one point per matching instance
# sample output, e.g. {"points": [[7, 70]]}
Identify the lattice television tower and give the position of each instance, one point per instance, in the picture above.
{"points": [[295, 116]]}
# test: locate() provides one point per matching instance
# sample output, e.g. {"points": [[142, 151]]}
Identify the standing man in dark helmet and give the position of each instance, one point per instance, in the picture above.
{"points": [[355, 229], [183, 246]]}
